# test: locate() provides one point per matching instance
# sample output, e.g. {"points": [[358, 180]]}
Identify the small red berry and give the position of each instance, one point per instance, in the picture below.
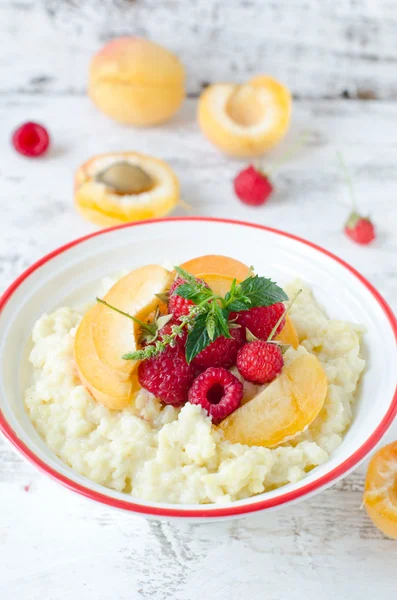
{"points": [[218, 391], [360, 229], [31, 139], [167, 375], [177, 305], [222, 352], [252, 186], [261, 320], [259, 361]]}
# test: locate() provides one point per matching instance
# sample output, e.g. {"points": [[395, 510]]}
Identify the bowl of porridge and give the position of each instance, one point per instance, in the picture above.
{"points": [[195, 368]]}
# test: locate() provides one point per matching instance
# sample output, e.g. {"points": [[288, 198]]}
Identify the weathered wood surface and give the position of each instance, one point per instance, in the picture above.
{"points": [[319, 48], [56, 545]]}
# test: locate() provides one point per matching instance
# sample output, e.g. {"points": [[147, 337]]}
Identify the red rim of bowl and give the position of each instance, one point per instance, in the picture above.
{"points": [[233, 509]]}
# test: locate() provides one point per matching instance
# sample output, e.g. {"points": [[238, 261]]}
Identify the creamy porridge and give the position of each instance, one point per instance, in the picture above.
{"points": [[162, 453]]}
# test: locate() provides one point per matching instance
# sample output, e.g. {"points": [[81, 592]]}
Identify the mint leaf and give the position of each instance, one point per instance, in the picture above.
{"points": [[191, 292], [221, 323], [240, 304], [210, 325], [198, 338], [260, 291], [185, 275]]}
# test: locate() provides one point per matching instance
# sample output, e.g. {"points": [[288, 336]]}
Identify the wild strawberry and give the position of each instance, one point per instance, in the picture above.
{"points": [[261, 320], [31, 139], [259, 361], [222, 352], [217, 391], [252, 186], [360, 229], [177, 305], [167, 375]]}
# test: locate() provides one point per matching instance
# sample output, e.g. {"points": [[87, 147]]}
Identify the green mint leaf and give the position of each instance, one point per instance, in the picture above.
{"points": [[198, 337], [210, 325], [190, 292], [185, 275], [260, 291], [221, 316], [239, 304]]}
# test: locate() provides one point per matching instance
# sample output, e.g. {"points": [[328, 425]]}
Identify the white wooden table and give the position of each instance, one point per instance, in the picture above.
{"points": [[57, 545]]}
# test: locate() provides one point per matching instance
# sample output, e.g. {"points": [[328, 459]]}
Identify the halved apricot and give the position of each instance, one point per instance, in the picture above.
{"points": [[288, 334], [283, 409], [217, 264], [380, 495]]}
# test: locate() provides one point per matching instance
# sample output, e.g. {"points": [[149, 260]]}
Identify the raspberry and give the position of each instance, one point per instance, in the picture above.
{"points": [[218, 391], [177, 305], [252, 186], [167, 330], [261, 320], [360, 229], [167, 375], [222, 352], [260, 362], [31, 139]]}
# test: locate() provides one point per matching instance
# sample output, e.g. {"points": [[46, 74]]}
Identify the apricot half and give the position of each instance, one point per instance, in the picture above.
{"points": [[114, 334], [136, 82], [380, 495], [245, 120], [121, 187], [217, 264], [283, 409], [106, 385]]}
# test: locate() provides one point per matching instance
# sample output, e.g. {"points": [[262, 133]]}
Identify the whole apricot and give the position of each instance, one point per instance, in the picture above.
{"points": [[136, 82]]}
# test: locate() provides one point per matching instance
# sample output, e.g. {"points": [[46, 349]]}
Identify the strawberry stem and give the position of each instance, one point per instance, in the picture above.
{"points": [[348, 180], [146, 326], [273, 331], [287, 154]]}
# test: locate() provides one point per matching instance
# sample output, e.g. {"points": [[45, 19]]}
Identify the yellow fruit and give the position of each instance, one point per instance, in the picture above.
{"points": [[380, 495], [100, 185], [106, 385], [217, 264], [288, 334], [245, 120], [137, 82], [283, 409], [135, 294]]}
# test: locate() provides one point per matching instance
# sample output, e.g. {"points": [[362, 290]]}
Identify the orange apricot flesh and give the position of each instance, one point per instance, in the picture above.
{"points": [[217, 264], [283, 409], [380, 495]]}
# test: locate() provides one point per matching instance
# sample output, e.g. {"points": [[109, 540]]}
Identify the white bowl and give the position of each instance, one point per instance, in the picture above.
{"points": [[71, 274]]}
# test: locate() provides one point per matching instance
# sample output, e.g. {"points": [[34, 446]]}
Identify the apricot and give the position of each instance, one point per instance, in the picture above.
{"points": [[121, 187], [245, 120], [288, 334], [215, 263], [285, 408], [106, 385], [136, 82], [380, 495], [114, 334]]}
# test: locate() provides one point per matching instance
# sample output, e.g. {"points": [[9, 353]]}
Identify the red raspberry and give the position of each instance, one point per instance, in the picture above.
{"points": [[218, 391], [252, 186], [31, 139], [261, 320], [222, 352], [260, 362], [167, 375], [167, 330], [360, 229], [177, 305]]}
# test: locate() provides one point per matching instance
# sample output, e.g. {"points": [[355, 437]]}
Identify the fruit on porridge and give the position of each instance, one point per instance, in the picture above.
{"points": [[245, 120], [120, 187], [204, 384]]}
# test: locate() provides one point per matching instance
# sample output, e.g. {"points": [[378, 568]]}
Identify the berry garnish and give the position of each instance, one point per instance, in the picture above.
{"points": [[261, 361], [177, 305], [252, 186], [167, 375], [31, 139], [261, 320], [222, 352], [218, 391], [359, 229]]}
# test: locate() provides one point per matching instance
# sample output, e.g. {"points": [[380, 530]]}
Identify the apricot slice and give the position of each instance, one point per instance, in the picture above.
{"points": [[283, 409], [245, 120], [288, 334], [106, 385], [135, 294], [121, 187], [380, 495], [137, 82], [217, 264]]}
